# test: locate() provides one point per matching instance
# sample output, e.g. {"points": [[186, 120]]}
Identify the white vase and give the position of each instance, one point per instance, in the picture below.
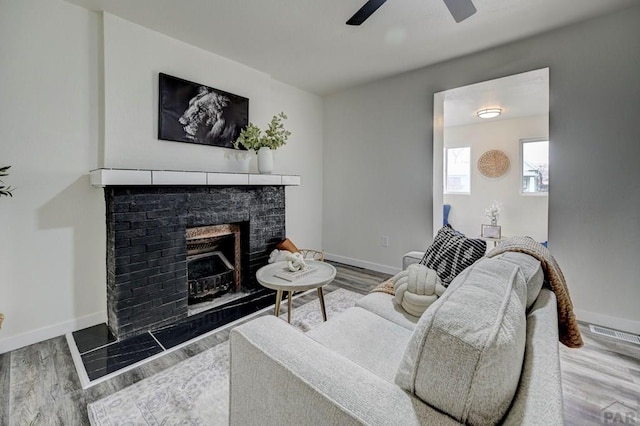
{"points": [[265, 160]]}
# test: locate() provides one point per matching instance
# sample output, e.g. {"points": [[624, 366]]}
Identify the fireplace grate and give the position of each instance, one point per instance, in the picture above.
{"points": [[210, 275], [203, 245]]}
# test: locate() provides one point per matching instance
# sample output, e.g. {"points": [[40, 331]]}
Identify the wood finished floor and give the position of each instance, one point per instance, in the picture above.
{"points": [[39, 384]]}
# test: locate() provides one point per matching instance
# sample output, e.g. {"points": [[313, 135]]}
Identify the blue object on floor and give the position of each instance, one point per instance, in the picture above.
{"points": [[545, 243], [446, 208]]}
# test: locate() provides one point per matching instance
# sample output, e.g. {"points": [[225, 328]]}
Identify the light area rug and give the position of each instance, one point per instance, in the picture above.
{"points": [[196, 391]]}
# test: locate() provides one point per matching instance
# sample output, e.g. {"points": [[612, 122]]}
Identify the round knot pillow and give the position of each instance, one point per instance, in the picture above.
{"points": [[416, 288]]}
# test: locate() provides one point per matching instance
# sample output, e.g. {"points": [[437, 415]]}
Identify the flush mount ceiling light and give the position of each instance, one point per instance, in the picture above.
{"points": [[489, 112]]}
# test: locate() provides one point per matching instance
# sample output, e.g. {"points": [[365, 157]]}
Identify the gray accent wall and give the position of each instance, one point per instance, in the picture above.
{"points": [[378, 159]]}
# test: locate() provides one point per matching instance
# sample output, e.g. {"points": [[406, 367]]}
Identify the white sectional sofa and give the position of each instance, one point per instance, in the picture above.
{"points": [[485, 352]]}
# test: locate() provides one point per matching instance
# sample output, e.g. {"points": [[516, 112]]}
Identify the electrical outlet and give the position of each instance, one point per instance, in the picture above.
{"points": [[384, 241], [1, 319]]}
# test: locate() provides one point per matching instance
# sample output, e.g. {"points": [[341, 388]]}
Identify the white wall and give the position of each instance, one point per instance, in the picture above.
{"points": [[52, 119], [302, 155], [378, 152], [134, 56], [523, 214], [52, 261]]}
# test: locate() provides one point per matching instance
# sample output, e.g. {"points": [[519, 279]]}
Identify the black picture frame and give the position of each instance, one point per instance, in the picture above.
{"points": [[195, 113]]}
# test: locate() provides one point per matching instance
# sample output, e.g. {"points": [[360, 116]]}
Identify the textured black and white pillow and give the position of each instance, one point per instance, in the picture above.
{"points": [[451, 253]]}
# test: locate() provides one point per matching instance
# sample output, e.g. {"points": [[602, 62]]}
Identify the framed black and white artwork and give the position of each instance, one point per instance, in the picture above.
{"points": [[195, 113]]}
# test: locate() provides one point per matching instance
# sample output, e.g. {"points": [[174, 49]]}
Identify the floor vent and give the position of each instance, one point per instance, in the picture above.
{"points": [[615, 334]]}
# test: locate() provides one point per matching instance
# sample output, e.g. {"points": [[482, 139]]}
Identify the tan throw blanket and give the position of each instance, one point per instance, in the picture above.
{"points": [[567, 324], [385, 287]]}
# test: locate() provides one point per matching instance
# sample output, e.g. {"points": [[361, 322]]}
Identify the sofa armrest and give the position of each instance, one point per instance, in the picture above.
{"points": [[538, 400], [280, 376], [411, 258]]}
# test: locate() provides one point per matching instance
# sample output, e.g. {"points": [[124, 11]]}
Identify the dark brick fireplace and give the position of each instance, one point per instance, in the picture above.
{"points": [[147, 249]]}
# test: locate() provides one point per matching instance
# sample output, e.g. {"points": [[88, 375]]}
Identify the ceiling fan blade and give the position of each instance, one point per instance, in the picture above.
{"points": [[460, 9], [365, 11]]}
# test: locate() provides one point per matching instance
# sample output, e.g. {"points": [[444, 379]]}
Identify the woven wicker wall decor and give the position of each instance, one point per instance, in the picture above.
{"points": [[493, 164]]}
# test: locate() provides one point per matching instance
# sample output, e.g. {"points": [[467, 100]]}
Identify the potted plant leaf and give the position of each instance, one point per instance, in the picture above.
{"points": [[5, 190], [275, 136]]}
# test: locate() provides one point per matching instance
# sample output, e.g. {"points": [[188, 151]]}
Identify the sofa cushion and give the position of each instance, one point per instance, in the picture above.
{"points": [[532, 270], [384, 305], [451, 253], [362, 336], [465, 355]]}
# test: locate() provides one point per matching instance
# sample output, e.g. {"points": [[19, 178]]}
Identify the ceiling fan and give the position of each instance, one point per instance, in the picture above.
{"points": [[459, 9]]}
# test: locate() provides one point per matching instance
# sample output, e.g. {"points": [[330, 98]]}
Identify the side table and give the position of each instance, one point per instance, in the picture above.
{"points": [[496, 241], [322, 275]]}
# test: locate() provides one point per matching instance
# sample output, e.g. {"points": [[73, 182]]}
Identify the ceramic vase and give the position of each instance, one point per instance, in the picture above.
{"points": [[265, 160]]}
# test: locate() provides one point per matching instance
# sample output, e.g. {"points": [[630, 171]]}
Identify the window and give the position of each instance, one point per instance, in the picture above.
{"points": [[457, 170], [535, 166]]}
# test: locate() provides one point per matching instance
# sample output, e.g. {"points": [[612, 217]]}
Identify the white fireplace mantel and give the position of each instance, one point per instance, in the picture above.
{"points": [[134, 177]]}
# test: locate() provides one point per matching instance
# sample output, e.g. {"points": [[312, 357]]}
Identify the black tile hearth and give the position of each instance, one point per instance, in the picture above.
{"points": [[118, 355], [93, 337], [199, 324], [102, 355]]}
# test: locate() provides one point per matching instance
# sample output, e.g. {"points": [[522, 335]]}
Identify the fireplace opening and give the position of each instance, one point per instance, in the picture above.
{"points": [[210, 275], [214, 273]]}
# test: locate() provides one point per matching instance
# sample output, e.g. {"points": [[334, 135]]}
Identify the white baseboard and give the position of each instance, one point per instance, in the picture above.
{"points": [[49, 332], [621, 324], [362, 264]]}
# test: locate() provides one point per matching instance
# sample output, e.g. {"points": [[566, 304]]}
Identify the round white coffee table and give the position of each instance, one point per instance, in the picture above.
{"points": [[323, 274]]}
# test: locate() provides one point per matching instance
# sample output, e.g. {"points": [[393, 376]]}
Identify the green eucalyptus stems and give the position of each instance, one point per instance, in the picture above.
{"points": [[274, 137], [5, 190], [249, 138]]}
